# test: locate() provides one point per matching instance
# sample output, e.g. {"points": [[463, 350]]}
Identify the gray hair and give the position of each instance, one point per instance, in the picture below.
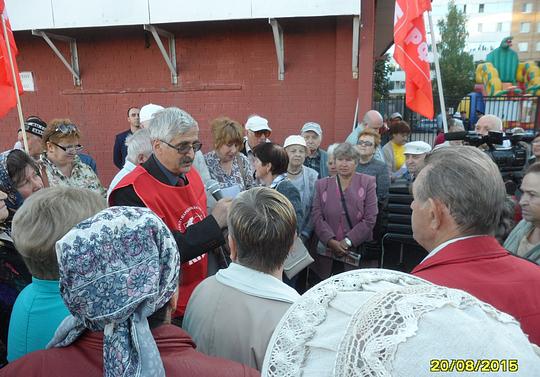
{"points": [[456, 125], [468, 182], [138, 143], [346, 150], [44, 218], [262, 222], [331, 149], [370, 115], [168, 123]]}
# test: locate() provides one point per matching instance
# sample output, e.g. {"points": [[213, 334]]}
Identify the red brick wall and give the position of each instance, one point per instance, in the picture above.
{"points": [[226, 68]]}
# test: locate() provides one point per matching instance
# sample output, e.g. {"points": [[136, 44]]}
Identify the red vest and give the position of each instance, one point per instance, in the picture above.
{"points": [[179, 207]]}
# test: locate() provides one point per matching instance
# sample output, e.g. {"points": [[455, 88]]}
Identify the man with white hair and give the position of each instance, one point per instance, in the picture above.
{"points": [[168, 185], [316, 158], [459, 204], [257, 132], [488, 123], [415, 153], [372, 119], [139, 148]]}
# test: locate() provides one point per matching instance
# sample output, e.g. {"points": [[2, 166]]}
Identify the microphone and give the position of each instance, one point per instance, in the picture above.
{"points": [[212, 186]]}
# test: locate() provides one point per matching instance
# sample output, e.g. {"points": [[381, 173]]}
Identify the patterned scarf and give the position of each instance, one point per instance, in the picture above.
{"points": [[116, 269]]}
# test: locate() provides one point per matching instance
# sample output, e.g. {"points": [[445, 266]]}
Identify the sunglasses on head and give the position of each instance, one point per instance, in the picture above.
{"points": [[66, 128], [365, 142]]}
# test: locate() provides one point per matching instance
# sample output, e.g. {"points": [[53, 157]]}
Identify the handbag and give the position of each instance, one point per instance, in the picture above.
{"points": [[298, 259], [355, 253]]}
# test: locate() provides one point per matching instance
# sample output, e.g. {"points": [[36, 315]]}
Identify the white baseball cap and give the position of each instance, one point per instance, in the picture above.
{"points": [[257, 123], [417, 147], [148, 111], [294, 140]]}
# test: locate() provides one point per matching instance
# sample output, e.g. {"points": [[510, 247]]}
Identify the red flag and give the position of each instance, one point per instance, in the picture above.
{"points": [[8, 100], [411, 53]]}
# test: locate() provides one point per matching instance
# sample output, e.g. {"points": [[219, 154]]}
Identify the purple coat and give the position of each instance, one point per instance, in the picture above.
{"points": [[328, 215]]}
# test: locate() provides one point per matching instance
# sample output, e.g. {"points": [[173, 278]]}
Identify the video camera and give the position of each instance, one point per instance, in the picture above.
{"points": [[510, 158]]}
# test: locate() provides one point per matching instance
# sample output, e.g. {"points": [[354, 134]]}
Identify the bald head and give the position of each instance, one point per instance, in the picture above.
{"points": [[373, 119], [488, 123]]}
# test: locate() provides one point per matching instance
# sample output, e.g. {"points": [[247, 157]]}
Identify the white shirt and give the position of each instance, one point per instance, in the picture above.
{"points": [[128, 168], [444, 244]]}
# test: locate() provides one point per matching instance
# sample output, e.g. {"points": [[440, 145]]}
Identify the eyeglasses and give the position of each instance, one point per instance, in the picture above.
{"points": [[185, 147], [66, 128], [72, 149], [365, 142], [264, 133]]}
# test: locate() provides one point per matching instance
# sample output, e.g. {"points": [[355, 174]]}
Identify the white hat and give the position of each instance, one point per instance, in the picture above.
{"points": [[312, 126], [148, 111], [294, 140], [417, 147], [257, 123], [376, 322]]}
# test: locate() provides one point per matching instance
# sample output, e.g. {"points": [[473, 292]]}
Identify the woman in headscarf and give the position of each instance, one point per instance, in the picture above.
{"points": [[61, 144], [119, 273], [18, 180]]}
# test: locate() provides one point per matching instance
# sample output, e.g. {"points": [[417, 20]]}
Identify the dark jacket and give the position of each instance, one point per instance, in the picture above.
{"points": [[120, 149], [14, 276], [198, 238]]}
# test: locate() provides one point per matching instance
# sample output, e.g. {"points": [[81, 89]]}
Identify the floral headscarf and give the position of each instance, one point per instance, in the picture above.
{"points": [[116, 269], [14, 199]]}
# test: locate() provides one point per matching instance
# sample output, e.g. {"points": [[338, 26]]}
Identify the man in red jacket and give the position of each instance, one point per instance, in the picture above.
{"points": [[458, 202]]}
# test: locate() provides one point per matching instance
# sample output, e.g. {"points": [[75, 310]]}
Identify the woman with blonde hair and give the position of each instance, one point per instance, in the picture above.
{"points": [[225, 164], [62, 164]]}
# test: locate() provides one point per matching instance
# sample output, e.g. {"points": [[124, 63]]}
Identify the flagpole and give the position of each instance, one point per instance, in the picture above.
{"points": [[437, 72], [15, 86]]}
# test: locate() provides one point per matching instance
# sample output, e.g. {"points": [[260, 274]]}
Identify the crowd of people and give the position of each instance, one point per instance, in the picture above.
{"points": [[180, 266]]}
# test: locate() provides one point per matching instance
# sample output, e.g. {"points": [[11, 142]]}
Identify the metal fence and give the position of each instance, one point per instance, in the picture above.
{"points": [[515, 111]]}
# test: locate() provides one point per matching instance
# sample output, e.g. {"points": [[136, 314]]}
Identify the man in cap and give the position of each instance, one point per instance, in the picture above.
{"points": [[120, 148], [372, 119], [34, 128], [257, 132], [459, 204], [316, 158], [415, 153], [147, 113]]}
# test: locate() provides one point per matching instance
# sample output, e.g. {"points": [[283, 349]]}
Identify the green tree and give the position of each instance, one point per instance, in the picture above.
{"points": [[457, 66], [381, 77]]}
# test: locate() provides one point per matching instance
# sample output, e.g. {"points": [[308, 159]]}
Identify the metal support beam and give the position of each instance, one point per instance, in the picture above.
{"points": [[355, 45], [170, 57], [74, 66], [280, 47]]}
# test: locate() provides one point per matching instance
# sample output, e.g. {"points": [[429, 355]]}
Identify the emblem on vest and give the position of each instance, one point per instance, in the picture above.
{"points": [[190, 216]]}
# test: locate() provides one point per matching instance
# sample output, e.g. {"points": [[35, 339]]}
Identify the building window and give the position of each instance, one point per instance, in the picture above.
{"points": [[480, 8], [499, 26], [537, 46], [538, 27], [480, 28], [523, 46], [525, 27], [526, 8]]}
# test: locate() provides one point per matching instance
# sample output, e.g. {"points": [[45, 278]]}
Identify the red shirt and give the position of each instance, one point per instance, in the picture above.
{"points": [[483, 268], [85, 358]]}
